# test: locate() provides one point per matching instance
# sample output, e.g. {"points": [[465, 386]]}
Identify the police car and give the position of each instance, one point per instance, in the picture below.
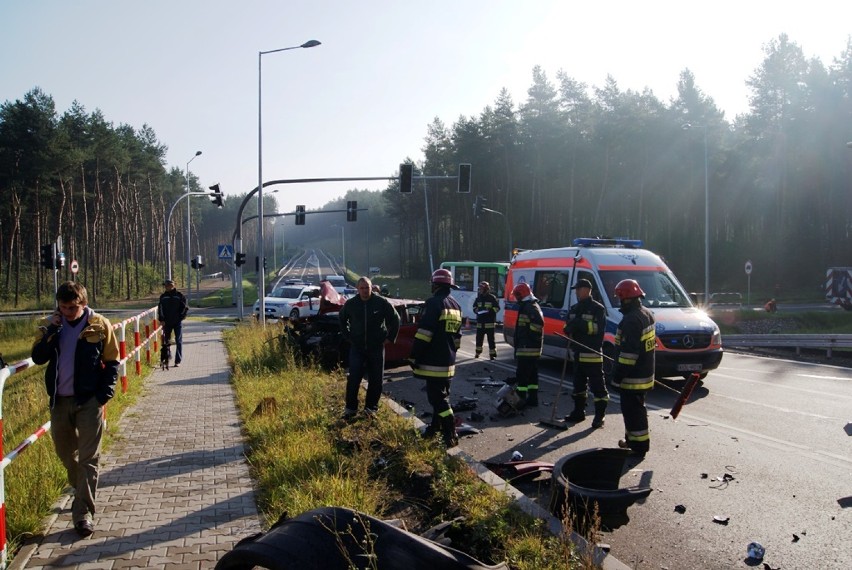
{"points": [[290, 301]]}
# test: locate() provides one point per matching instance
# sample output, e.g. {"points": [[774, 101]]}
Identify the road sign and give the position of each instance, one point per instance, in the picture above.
{"points": [[748, 267], [75, 267], [225, 251]]}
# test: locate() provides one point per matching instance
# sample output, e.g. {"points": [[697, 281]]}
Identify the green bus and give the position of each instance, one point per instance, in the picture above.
{"points": [[468, 275]]}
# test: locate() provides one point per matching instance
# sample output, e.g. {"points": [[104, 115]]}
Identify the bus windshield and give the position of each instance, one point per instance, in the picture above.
{"points": [[661, 290]]}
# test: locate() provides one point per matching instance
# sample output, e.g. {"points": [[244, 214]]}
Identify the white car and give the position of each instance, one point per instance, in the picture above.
{"points": [[290, 301]]}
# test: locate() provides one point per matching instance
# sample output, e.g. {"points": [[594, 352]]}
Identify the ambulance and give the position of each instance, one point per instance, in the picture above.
{"points": [[688, 341]]}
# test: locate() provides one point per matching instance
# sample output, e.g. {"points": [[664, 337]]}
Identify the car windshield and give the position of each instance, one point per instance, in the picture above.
{"points": [[661, 290], [286, 292]]}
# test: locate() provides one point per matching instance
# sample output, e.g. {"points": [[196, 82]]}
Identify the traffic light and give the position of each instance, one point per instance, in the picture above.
{"points": [[60, 260], [406, 177], [265, 268], [48, 256], [464, 179], [194, 263], [240, 259], [352, 211], [300, 215], [216, 196], [478, 204]]}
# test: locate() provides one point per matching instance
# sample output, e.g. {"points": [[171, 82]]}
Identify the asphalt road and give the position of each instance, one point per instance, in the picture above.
{"points": [[765, 443]]}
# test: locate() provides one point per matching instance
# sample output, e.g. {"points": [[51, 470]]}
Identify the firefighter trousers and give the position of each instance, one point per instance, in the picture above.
{"points": [[526, 376], [635, 420], [484, 330]]}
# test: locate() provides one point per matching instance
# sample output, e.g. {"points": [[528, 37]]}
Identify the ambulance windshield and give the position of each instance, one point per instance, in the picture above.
{"points": [[661, 289]]}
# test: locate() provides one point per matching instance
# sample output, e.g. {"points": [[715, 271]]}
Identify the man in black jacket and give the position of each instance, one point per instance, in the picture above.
{"points": [[636, 342], [82, 356], [368, 322], [433, 354], [585, 326], [486, 307], [171, 311]]}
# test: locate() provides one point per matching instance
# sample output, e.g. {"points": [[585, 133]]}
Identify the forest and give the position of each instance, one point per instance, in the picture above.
{"points": [[570, 160]]}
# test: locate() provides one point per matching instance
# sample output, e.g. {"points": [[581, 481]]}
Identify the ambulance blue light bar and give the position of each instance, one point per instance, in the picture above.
{"points": [[608, 242]]}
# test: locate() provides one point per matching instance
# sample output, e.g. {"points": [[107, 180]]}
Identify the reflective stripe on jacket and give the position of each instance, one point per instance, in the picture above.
{"points": [[636, 342]]}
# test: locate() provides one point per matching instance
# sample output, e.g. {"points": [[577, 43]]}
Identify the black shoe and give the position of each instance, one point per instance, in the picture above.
{"points": [[476, 355], [576, 416], [84, 528], [623, 444], [598, 423], [349, 415], [493, 358]]}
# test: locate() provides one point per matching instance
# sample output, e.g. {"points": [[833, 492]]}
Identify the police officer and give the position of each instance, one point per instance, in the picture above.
{"points": [[529, 339], [433, 353], [636, 341], [485, 307], [585, 324]]}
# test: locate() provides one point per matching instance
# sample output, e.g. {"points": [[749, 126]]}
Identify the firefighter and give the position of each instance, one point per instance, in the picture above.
{"points": [[433, 353], [486, 307], [529, 340], [636, 341], [585, 324]]}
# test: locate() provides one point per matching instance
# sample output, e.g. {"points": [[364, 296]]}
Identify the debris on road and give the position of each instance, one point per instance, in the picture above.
{"points": [[756, 551], [721, 519], [680, 509]]}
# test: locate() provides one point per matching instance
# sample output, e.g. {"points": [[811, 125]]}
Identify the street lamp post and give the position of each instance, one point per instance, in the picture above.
{"points": [[688, 126], [261, 286], [188, 231]]}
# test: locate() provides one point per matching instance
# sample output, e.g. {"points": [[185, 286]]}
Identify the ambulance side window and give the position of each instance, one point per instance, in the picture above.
{"points": [[550, 288]]}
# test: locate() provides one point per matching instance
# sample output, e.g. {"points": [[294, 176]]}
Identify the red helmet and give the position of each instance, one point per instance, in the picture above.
{"points": [[443, 277], [628, 289], [521, 291], [485, 285]]}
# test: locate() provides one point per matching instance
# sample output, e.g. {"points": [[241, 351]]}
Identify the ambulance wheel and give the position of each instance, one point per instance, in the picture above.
{"points": [[294, 314]]}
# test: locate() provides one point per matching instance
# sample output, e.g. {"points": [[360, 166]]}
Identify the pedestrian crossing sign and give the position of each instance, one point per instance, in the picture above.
{"points": [[225, 251]]}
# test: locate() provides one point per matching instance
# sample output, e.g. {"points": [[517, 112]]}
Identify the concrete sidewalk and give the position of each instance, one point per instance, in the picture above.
{"points": [[174, 490]]}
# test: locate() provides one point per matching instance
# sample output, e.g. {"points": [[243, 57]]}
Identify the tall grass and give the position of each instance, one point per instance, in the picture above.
{"points": [[303, 457]]}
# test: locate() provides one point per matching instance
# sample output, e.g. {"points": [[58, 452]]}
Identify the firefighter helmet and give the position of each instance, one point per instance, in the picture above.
{"points": [[443, 277], [628, 289], [485, 285], [521, 291]]}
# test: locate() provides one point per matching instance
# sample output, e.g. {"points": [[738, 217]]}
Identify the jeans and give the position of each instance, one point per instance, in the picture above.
{"points": [[369, 362], [167, 333], [77, 432]]}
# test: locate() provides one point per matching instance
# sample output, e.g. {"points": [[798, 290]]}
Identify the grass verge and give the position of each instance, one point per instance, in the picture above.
{"points": [[303, 457]]}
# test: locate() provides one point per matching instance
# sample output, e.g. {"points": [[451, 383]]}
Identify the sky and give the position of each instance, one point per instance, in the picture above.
{"points": [[360, 103]]}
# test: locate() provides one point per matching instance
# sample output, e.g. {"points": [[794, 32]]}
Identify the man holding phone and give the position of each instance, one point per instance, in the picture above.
{"points": [[82, 357]]}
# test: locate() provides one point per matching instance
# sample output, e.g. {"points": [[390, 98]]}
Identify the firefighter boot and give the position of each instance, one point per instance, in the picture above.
{"points": [[532, 397], [448, 431], [579, 413], [600, 412], [432, 429]]}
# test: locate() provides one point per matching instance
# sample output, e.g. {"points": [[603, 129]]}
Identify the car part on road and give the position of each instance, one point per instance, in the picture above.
{"points": [[330, 538], [585, 483], [684, 394]]}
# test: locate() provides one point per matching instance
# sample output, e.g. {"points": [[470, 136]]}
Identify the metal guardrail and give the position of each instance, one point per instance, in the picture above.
{"points": [[828, 342]]}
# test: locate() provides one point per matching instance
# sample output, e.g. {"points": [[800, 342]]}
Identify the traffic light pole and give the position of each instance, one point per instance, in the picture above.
{"points": [[168, 230]]}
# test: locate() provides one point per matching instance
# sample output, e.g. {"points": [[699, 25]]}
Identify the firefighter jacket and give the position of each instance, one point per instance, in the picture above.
{"points": [[586, 323], [486, 307], [438, 338], [529, 331], [367, 324], [635, 341], [172, 308], [96, 359]]}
